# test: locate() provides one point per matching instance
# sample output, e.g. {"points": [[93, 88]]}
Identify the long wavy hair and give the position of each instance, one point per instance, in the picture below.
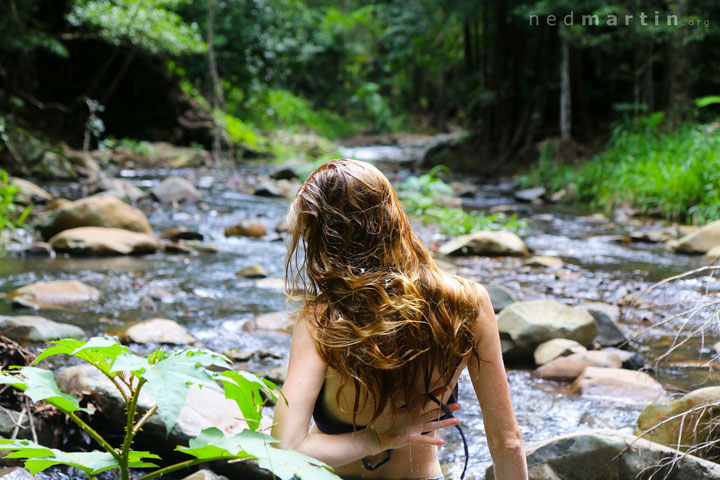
{"points": [[380, 311]]}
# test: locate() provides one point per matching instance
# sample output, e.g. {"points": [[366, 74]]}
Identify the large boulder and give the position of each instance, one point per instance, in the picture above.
{"points": [[205, 407], [626, 385], [175, 190], [155, 330], [700, 241], [58, 292], [108, 212], [667, 424], [485, 243], [103, 241], [525, 325], [28, 329], [610, 455]]}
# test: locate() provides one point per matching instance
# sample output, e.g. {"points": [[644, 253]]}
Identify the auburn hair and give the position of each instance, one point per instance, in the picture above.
{"points": [[378, 307]]}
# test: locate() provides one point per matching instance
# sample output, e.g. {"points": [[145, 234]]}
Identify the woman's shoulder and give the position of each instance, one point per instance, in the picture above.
{"points": [[459, 283]]}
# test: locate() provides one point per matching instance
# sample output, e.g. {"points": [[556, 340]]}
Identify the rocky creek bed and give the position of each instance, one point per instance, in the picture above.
{"points": [[197, 285]]}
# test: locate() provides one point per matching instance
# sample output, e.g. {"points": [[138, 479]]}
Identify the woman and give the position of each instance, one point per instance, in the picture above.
{"points": [[382, 337]]}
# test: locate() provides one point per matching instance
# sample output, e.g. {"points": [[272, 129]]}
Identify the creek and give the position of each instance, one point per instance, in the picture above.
{"points": [[205, 295]]}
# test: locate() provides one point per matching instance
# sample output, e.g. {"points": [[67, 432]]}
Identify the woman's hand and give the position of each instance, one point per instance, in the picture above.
{"points": [[412, 427]]}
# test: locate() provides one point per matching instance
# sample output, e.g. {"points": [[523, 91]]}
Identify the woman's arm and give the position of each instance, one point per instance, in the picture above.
{"points": [[306, 374], [491, 387]]}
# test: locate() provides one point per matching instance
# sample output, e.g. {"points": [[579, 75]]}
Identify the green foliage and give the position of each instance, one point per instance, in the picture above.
{"points": [[149, 24], [167, 377], [676, 174], [12, 215], [427, 196]]}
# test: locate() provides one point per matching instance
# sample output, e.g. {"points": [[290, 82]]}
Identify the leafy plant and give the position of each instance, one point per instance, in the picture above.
{"points": [[167, 377], [428, 197], [12, 216]]}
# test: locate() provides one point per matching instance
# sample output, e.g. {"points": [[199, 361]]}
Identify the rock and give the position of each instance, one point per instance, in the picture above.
{"points": [[609, 334], [686, 430], [118, 188], [630, 360], [282, 226], [15, 473], [611, 311], [103, 241], [28, 192], [289, 171], [276, 321], [181, 233], [105, 212], [500, 296], [701, 241], [557, 347], [278, 188], [248, 228], [530, 194], [713, 253], [175, 190], [179, 248], [651, 236], [610, 455], [27, 329], [278, 374], [205, 407], [200, 246], [240, 354], [38, 250], [155, 330], [10, 419], [252, 271], [485, 243], [58, 292], [544, 261], [525, 325], [83, 161], [618, 383], [567, 369], [204, 474]]}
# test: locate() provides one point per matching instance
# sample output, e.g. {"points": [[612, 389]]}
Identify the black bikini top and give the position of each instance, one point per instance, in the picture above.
{"points": [[326, 424]]}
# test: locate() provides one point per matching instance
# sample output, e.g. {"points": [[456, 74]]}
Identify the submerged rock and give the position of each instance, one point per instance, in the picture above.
{"points": [[557, 347], [485, 243], [103, 241], [108, 212], [567, 369], [248, 228], [525, 325], [58, 292], [27, 329], [689, 430], [618, 383], [175, 190], [155, 330], [700, 241], [610, 455]]}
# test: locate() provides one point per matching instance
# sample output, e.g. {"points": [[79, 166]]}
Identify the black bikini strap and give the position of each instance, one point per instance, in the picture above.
{"points": [[449, 414], [369, 466]]}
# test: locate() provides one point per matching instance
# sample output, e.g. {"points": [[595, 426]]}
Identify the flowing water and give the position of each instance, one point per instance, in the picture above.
{"points": [[204, 294]]}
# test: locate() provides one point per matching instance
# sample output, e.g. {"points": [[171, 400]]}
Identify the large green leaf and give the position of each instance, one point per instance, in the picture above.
{"points": [[169, 380], [39, 384], [245, 389], [38, 458], [100, 352], [212, 444]]}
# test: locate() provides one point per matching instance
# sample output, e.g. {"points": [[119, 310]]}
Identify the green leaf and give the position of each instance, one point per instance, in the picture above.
{"points": [[100, 352], [212, 444], [40, 385], [244, 388], [706, 101], [129, 362], [169, 380]]}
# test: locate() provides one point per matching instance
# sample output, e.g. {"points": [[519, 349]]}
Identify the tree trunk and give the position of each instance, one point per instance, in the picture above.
{"points": [[217, 101], [565, 104], [679, 70]]}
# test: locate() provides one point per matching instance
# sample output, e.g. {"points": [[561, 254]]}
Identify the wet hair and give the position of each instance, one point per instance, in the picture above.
{"points": [[379, 309]]}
